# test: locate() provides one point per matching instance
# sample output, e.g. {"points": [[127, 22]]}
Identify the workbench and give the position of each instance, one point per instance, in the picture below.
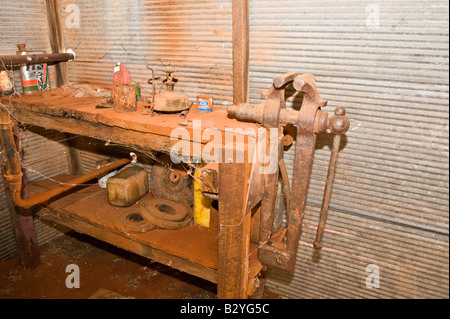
{"points": [[231, 262]]}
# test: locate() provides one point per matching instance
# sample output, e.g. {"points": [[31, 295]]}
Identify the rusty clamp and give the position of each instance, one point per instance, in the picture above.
{"points": [[310, 120]]}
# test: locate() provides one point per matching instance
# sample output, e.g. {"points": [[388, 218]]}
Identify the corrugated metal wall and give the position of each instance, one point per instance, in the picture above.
{"points": [[387, 63], [24, 21], [194, 36]]}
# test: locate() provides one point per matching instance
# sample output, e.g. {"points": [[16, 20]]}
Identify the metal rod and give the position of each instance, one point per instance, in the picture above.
{"points": [[153, 85], [35, 58], [318, 244]]}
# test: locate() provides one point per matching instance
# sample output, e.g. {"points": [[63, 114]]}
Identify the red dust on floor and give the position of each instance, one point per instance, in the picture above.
{"points": [[103, 268], [105, 272]]}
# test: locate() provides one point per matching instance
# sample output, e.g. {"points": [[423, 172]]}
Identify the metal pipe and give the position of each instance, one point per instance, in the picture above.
{"points": [[35, 58], [14, 174], [15, 185]]}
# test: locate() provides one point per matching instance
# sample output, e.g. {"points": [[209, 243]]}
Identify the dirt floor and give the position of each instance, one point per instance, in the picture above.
{"points": [[105, 272]]}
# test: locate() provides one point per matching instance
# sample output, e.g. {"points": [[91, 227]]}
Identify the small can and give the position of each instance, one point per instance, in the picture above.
{"points": [[34, 76], [205, 103]]}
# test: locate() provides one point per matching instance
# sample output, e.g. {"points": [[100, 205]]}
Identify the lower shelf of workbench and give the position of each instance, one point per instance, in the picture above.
{"points": [[86, 210]]}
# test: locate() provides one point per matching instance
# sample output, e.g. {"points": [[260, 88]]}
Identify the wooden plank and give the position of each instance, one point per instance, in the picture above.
{"points": [[62, 74], [84, 109], [241, 37], [129, 244], [234, 232], [140, 140], [56, 39], [86, 210], [232, 259], [22, 218], [24, 232], [99, 131], [73, 155], [196, 256]]}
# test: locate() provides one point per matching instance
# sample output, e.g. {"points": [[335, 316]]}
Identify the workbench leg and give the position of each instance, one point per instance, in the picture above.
{"points": [[234, 232], [73, 156], [22, 222]]}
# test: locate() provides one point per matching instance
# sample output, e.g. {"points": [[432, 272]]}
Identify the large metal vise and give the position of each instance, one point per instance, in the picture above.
{"points": [[309, 120]]}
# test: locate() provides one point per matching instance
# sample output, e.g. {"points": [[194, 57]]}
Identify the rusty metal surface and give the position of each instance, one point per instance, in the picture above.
{"points": [[166, 213], [131, 221], [410, 263], [310, 120], [35, 58], [171, 181], [34, 33], [383, 170], [194, 36], [392, 173], [318, 244]]}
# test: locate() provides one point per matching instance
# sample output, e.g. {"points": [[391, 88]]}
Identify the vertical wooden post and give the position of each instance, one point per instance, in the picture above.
{"points": [[24, 232], [62, 75], [241, 38], [73, 155], [56, 39], [22, 220], [234, 232]]}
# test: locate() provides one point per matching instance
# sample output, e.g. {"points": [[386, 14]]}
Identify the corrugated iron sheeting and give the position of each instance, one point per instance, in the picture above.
{"points": [[44, 157], [390, 200], [24, 21], [194, 36], [410, 261], [44, 153], [392, 175], [93, 150]]}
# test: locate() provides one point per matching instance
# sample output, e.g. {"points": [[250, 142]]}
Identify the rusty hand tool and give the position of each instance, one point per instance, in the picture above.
{"points": [[310, 120]]}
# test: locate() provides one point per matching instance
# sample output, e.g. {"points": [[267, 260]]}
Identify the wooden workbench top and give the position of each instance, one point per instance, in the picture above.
{"points": [[85, 109]]}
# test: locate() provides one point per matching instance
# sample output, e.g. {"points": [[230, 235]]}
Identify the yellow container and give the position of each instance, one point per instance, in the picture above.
{"points": [[202, 204]]}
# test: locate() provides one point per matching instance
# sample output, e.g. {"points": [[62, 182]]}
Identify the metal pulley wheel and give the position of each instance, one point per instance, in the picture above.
{"points": [[171, 181], [166, 213], [131, 221]]}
